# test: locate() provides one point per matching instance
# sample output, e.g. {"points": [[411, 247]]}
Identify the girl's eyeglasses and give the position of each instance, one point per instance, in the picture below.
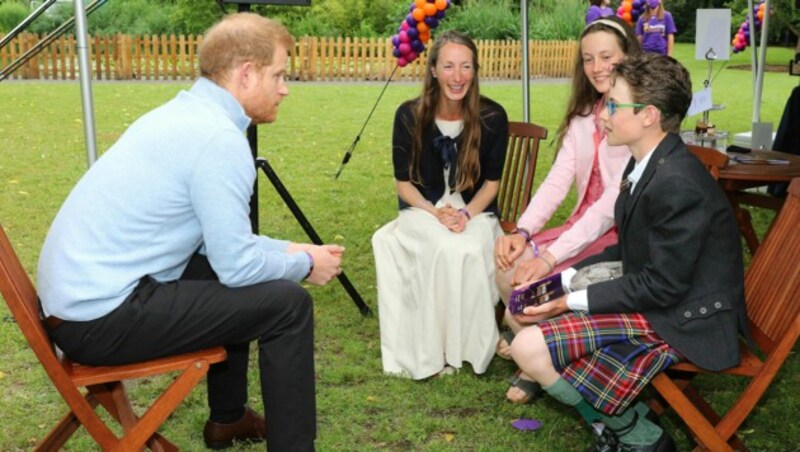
{"points": [[612, 106]]}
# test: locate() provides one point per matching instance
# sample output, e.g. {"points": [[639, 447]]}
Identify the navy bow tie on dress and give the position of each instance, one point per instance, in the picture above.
{"points": [[446, 146]]}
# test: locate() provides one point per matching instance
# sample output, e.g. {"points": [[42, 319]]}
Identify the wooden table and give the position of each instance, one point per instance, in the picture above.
{"points": [[736, 177]]}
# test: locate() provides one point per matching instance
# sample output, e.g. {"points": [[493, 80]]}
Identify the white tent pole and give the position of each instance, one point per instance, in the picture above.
{"points": [[526, 79], [762, 62], [86, 82], [752, 27]]}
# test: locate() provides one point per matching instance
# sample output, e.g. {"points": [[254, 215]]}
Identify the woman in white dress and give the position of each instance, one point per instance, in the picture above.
{"points": [[434, 263]]}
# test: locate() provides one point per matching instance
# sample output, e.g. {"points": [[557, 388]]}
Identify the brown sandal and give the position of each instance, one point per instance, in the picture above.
{"points": [[508, 337]]}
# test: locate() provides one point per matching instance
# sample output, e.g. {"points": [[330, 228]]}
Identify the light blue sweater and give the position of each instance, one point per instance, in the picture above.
{"points": [[178, 180]]}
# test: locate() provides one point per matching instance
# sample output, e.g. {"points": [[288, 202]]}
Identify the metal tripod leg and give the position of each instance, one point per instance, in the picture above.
{"points": [[312, 234]]}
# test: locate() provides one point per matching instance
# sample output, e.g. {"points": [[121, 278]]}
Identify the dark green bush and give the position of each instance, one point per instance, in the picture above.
{"points": [[11, 15]]}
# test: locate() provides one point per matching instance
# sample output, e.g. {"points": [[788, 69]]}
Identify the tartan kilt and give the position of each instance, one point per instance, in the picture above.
{"points": [[608, 358]]}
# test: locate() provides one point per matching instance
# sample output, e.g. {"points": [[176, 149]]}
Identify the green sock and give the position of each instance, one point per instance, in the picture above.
{"points": [[643, 432], [565, 393]]}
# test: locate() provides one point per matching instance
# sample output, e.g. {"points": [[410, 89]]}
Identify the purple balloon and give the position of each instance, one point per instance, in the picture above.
{"points": [[439, 15], [637, 3], [745, 25], [395, 40], [412, 23], [404, 48], [396, 52], [431, 22], [412, 33], [412, 7], [417, 46]]}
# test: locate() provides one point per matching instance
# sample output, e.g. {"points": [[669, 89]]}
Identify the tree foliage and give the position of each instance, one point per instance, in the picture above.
{"points": [[481, 19]]}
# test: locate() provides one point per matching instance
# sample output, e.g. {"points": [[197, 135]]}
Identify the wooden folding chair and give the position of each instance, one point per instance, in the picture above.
{"points": [[713, 160], [103, 384], [772, 291], [516, 183]]}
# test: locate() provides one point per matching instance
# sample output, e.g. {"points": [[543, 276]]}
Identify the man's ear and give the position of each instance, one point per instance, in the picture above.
{"points": [[652, 116], [246, 73]]}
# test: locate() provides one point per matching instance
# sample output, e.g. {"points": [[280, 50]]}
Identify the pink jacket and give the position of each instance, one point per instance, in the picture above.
{"points": [[574, 162]]}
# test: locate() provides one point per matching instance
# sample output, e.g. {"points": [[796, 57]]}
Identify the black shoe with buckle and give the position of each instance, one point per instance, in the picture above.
{"points": [[608, 441]]}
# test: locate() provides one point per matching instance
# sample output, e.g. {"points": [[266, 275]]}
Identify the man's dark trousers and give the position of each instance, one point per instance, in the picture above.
{"points": [[196, 312]]}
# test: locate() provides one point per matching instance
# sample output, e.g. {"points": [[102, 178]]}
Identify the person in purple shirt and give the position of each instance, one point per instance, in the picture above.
{"points": [[598, 9], [656, 29]]}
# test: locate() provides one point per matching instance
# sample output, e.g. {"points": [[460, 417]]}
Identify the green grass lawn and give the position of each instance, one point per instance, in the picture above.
{"points": [[42, 155]]}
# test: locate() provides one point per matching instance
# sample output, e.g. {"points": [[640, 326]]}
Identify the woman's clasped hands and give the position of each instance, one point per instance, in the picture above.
{"points": [[453, 219]]}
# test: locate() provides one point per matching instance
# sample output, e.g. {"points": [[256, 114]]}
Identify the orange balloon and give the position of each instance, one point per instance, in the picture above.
{"points": [[422, 27], [441, 5], [418, 14], [430, 9], [627, 7], [425, 37], [420, 3], [762, 6], [760, 14], [626, 16]]}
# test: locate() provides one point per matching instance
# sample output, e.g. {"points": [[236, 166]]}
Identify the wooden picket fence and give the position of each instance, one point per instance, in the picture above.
{"points": [[171, 57]]}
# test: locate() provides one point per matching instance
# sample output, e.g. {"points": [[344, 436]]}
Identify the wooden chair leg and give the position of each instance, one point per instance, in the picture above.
{"points": [[63, 430], [114, 398], [700, 427], [160, 410]]}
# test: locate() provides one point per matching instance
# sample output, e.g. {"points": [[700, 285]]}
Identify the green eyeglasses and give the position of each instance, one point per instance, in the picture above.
{"points": [[612, 106]]}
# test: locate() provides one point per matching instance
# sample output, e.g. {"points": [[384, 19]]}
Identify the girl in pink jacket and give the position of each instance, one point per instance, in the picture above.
{"points": [[585, 158]]}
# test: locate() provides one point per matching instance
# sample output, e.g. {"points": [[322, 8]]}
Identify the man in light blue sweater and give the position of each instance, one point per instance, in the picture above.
{"points": [[152, 253]]}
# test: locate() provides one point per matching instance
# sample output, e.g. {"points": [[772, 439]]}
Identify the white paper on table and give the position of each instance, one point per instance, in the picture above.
{"points": [[701, 101]]}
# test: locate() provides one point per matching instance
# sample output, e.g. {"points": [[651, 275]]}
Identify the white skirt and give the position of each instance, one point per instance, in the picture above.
{"points": [[436, 293]]}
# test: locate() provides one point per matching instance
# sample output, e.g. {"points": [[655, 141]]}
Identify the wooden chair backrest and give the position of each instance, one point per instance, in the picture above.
{"points": [[772, 281], [20, 295], [712, 159], [516, 183]]}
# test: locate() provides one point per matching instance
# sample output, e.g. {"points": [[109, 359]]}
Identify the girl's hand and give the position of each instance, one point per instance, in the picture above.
{"points": [[507, 249]]}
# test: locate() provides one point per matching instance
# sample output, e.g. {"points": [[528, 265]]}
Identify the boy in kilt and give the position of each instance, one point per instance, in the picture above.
{"points": [[681, 295]]}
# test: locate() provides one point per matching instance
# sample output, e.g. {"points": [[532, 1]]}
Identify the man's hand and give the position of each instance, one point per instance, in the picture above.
{"points": [[544, 311], [507, 249], [327, 263]]}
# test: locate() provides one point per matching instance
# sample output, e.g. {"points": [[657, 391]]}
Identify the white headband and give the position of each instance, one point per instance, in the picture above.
{"points": [[611, 24]]}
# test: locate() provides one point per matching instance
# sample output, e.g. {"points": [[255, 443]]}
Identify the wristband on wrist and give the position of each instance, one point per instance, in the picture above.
{"points": [[523, 233], [535, 249], [311, 264], [464, 211]]}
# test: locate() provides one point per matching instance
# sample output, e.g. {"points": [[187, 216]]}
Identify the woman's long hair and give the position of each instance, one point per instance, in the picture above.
{"points": [[425, 115], [584, 96], [658, 11]]}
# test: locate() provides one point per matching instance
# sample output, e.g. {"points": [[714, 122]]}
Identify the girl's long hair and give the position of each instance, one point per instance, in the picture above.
{"points": [[425, 115], [584, 96]]}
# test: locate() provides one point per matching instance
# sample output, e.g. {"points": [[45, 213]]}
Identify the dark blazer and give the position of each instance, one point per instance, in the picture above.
{"points": [[682, 259]]}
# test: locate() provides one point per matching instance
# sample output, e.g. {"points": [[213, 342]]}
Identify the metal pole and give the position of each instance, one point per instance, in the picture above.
{"points": [[526, 79], [762, 61], [86, 82], [753, 59]]}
